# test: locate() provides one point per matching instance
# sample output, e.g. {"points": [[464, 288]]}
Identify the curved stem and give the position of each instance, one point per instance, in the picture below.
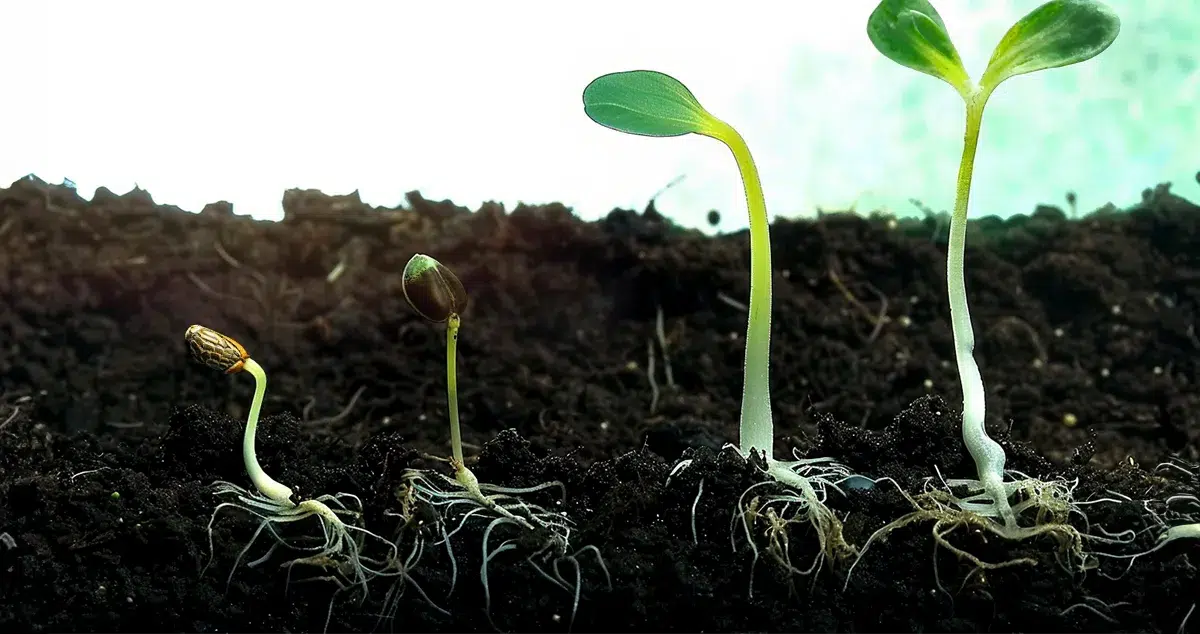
{"points": [[452, 389], [757, 427], [263, 482], [988, 454]]}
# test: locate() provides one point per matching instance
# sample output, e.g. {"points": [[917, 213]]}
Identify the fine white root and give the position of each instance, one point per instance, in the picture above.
{"points": [[339, 548], [661, 334], [1097, 607], [420, 527], [1183, 624], [1177, 463], [545, 535], [1189, 528], [1177, 517], [808, 482], [1047, 507], [1054, 497], [402, 567]]}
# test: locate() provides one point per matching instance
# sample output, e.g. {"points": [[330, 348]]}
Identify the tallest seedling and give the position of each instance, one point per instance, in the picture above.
{"points": [[1058, 33], [271, 502]]}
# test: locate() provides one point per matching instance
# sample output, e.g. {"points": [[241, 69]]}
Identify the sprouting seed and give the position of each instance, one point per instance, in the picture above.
{"points": [[435, 293], [215, 350], [271, 503], [433, 290], [224, 354]]}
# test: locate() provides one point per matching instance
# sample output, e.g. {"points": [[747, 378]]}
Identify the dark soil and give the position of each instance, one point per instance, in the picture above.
{"points": [[110, 437]]}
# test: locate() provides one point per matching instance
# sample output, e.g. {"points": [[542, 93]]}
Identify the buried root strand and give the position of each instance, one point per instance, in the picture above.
{"points": [[771, 513], [341, 544], [340, 547], [439, 507], [1049, 503], [808, 482]]}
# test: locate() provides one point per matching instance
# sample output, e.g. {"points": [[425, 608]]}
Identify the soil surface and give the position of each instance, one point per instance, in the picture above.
{"points": [[596, 355]]}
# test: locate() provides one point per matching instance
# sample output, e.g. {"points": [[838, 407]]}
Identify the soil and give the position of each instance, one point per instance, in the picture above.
{"points": [[111, 437]]}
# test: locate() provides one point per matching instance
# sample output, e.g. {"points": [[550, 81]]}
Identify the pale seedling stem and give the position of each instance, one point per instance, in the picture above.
{"points": [[265, 484], [462, 474], [452, 390], [988, 455], [757, 430], [225, 354], [650, 103], [912, 34], [273, 506]]}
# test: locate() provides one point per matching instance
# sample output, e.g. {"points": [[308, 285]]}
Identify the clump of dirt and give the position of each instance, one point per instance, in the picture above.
{"points": [[595, 354]]}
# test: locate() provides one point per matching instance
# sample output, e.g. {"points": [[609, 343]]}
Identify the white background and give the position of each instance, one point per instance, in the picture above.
{"points": [[471, 101]]}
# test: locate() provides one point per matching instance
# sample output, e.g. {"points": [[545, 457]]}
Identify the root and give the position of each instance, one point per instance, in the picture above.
{"points": [[650, 376], [1049, 502], [273, 303], [449, 505], [1097, 607], [1012, 321], [11, 417], [877, 319], [808, 482], [1173, 523], [340, 547], [306, 413], [421, 527], [1183, 624], [661, 335], [729, 301]]}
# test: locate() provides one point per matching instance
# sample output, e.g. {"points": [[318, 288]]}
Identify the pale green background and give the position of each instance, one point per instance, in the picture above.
{"points": [[1106, 128]]}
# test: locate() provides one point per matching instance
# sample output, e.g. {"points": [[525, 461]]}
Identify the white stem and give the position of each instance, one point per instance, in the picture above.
{"points": [[263, 482], [988, 454]]}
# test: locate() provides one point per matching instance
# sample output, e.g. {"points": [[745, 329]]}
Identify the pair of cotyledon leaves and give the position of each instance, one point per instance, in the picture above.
{"points": [[909, 32]]}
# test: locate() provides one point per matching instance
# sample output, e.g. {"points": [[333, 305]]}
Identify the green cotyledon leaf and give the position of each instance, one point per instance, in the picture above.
{"points": [[912, 34], [644, 102], [1058, 33]]}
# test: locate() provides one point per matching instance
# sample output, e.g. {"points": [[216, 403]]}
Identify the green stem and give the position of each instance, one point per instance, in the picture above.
{"points": [[757, 427], [263, 482], [452, 389], [988, 454]]}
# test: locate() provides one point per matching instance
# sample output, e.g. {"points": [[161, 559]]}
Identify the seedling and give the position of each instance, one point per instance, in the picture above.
{"points": [[650, 103], [341, 543], [436, 294], [1058, 33], [224, 354]]}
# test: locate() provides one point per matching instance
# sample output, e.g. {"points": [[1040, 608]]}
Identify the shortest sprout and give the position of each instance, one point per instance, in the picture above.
{"points": [[341, 546], [433, 290], [224, 354]]}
